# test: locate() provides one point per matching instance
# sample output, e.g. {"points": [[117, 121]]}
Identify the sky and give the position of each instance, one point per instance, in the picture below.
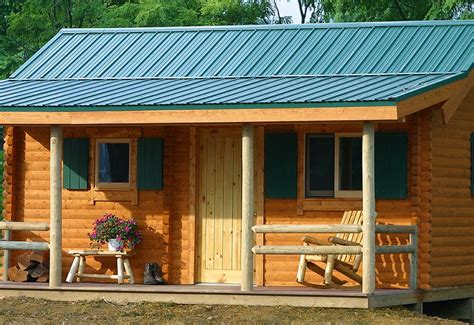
{"points": [[290, 8]]}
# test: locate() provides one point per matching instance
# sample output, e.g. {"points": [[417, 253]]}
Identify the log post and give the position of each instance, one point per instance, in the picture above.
{"points": [[247, 207], [368, 207], [55, 234], [6, 254]]}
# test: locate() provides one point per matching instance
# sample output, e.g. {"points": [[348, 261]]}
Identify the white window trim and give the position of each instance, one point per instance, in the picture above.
{"points": [[338, 193], [121, 186]]}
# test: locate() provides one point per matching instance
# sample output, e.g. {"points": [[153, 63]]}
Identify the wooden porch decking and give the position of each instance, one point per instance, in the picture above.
{"points": [[340, 297], [349, 297]]}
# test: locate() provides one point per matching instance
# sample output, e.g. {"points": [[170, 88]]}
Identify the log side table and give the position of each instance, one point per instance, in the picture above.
{"points": [[79, 263]]}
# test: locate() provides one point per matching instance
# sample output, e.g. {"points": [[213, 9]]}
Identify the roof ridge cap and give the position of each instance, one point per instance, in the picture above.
{"points": [[271, 26]]}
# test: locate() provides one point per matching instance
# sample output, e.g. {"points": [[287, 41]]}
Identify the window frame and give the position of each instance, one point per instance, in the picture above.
{"points": [[112, 185], [338, 193]]}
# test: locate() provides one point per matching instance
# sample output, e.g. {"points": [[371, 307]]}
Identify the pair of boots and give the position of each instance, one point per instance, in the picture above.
{"points": [[153, 274]]}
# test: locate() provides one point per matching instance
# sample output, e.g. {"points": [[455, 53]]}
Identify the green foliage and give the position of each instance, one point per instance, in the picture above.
{"points": [[393, 10], [112, 227], [25, 25]]}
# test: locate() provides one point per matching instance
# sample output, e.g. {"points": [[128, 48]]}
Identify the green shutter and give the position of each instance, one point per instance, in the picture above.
{"points": [[281, 165], [150, 164], [391, 165], [76, 163], [472, 163]]}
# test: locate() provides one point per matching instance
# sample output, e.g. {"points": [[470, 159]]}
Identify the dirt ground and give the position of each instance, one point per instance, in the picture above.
{"points": [[36, 311]]}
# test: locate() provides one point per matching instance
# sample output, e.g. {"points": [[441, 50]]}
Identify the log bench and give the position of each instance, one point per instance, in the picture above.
{"points": [[79, 263]]}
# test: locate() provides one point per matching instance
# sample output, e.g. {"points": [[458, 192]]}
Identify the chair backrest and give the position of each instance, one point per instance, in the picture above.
{"points": [[350, 218]]}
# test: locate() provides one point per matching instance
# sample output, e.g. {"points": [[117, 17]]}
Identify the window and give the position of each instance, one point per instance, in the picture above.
{"points": [[334, 165], [113, 163], [320, 165], [348, 173]]}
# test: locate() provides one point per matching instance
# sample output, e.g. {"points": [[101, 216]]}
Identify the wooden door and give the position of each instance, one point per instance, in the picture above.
{"points": [[219, 214]]}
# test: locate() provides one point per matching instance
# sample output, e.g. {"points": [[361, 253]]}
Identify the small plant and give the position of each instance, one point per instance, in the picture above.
{"points": [[112, 227]]}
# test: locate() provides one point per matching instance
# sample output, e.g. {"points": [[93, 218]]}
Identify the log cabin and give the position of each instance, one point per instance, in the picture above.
{"points": [[215, 130]]}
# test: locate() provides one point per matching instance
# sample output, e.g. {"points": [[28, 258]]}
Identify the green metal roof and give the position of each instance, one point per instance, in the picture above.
{"points": [[321, 63]]}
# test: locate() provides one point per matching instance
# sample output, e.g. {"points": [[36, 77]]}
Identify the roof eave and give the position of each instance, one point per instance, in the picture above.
{"points": [[249, 114], [436, 93]]}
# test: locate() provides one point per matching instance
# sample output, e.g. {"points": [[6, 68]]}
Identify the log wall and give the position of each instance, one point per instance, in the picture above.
{"points": [[453, 204], [392, 270], [165, 215], [163, 240]]}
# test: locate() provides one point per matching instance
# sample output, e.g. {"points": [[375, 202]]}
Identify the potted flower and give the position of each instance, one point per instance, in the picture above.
{"points": [[116, 232]]}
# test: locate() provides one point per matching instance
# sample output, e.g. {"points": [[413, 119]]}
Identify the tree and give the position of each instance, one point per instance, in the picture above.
{"points": [[25, 25], [392, 10]]}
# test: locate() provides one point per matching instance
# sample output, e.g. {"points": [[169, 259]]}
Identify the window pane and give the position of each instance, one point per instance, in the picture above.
{"points": [[320, 165], [350, 163], [113, 162]]}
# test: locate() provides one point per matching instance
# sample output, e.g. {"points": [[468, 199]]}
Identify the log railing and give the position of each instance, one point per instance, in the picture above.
{"points": [[7, 244], [410, 248]]}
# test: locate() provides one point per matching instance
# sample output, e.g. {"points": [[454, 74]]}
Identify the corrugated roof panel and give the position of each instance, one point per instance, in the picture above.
{"points": [[158, 92], [243, 51]]}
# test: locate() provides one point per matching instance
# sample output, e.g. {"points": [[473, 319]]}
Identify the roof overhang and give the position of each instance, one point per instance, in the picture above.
{"points": [[450, 94], [204, 116]]}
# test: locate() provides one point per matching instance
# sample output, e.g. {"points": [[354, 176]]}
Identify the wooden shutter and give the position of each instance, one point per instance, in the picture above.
{"points": [[76, 163], [391, 165], [281, 165], [472, 163], [150, 164]]}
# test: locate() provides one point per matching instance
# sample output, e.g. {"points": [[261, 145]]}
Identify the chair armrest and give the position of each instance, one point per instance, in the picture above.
{"points": [[314, 241], [344, 242]]}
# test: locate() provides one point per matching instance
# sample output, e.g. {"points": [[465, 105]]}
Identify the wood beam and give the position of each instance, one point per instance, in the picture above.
{"points": [[368, 208], [452, 104], [247, 207], [55, 234], [417, 103], [144, 117]]}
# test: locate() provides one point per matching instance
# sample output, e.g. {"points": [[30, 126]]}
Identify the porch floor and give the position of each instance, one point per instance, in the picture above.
{"points": [[341, 297]]}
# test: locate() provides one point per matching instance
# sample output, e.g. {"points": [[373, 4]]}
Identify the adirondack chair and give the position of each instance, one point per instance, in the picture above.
{"points": [[345, 264]]}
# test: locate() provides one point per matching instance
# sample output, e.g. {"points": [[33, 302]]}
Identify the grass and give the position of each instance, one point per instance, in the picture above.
{"points": [[38, 311]]}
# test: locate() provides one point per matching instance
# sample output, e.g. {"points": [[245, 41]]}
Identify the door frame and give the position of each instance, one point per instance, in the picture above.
{"points": [[194, 142]]}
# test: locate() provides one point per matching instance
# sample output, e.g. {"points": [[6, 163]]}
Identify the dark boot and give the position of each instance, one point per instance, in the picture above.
{"points": [[149, 274], [159, 274]]}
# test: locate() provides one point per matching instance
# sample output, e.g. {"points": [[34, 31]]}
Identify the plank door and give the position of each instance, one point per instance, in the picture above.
{"points": [[219, 214]]}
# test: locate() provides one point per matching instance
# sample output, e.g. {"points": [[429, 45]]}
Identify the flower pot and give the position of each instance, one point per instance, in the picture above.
{"points": [[114, 245]]}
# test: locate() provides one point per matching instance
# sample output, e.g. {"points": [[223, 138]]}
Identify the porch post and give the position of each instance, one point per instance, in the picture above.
{"points": [[247, 207], [368, 206], [55, 233]]}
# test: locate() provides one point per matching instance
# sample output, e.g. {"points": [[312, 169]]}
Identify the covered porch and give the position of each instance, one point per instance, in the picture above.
{"points": [[254, 229]]}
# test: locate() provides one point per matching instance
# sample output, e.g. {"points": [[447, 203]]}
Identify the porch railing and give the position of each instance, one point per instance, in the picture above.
{"points": [[410, 248], [7, 244]]}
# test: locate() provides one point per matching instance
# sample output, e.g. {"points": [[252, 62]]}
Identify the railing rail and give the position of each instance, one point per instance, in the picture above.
{"points": [[410, 248], [7, 244], [321, 229]]}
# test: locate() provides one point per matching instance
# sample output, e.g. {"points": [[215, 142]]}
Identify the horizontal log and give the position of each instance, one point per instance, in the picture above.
{"points": [[394, 249], [394, 229], [101, 276], [307, 229], [25, 226], [307, 250], [21, 245]]}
